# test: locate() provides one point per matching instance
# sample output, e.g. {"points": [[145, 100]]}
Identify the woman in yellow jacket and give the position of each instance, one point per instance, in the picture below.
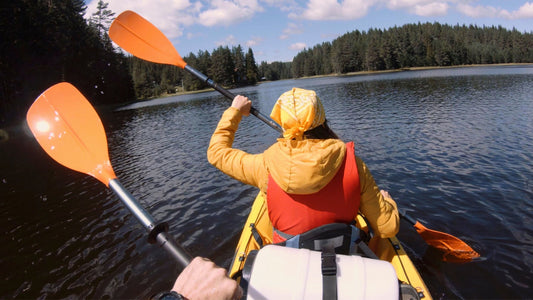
{"points": [[310, 177]]}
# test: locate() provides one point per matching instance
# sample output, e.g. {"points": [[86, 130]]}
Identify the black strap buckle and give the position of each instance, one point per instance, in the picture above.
{"points": [[329, 264]]}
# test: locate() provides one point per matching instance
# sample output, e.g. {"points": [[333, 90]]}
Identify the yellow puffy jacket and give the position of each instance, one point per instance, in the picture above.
{"points": [[298, 167]]}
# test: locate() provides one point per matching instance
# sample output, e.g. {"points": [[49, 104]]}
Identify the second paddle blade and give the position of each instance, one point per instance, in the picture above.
{"points": [[141, 38]]}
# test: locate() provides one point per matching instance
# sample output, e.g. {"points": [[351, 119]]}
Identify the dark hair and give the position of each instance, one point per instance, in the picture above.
{"points": [[322, 132]]}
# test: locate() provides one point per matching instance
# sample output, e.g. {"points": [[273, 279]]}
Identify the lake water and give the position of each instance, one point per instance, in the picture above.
{"points": [[454, 147]]}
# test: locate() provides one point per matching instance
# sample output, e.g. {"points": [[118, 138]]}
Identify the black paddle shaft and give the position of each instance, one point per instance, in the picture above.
{"points": [[404, 215], [230, 96]]}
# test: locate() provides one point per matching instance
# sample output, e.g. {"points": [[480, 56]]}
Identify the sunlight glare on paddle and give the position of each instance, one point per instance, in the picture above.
{"points": [[42, 126]]}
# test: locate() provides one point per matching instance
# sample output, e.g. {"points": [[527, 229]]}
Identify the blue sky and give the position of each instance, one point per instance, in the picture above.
{"points": [[277, 30]]}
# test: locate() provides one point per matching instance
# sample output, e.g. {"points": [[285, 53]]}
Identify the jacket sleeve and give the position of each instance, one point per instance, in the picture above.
{"points": [[245, 167], [381, 212]]}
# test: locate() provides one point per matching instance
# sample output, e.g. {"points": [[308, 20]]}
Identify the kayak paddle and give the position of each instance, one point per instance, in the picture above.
{"points": [[68, 128], [453, 248], [141, 38]]}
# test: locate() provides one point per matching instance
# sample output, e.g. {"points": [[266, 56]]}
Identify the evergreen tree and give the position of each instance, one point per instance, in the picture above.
{"points": [[190, 82], [373, 60], [204, 61], [298, 64], [325, 59], [252, 71], [223, 67], [143, 81], [102, 18], [51, 42], [240, 65]]}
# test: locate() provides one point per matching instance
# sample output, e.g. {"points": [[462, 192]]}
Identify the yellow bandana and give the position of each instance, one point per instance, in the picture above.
{"points": [[297, 111]]}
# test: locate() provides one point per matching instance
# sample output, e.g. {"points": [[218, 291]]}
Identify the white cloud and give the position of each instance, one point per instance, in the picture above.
{"points": [[291, 29], [430, 9], [283, 5], [408, 4], [298, 46], [170, 16], [318, 10], [279, 2], [333, 10], [425, 8], [525, 11], [253, 42], [230, 40], [354, 9], [480, 11], [477, 11], [224, 12]]}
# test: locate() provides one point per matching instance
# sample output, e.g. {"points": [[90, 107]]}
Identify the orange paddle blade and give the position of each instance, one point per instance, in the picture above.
{"points": [[454, 249], [68, 128], [141, 38]]}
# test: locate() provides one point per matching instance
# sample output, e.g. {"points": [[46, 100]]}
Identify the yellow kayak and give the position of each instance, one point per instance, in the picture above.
{"points": [[258, 230]]}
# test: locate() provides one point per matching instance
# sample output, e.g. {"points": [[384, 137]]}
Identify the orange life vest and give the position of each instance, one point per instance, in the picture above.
{"points": [[337, 202]]}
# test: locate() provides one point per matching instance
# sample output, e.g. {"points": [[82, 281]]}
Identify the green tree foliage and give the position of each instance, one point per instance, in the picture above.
{"points": [[190, 82], [414, 45], [228, 67], [102, 18], [46, 42], [252, 72], [275, 71], [223, 68], [239, 73]]}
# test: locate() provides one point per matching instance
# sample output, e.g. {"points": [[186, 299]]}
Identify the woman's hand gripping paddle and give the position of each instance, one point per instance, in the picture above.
{"points": [[453, 249], [68, 128], [141, 38]]}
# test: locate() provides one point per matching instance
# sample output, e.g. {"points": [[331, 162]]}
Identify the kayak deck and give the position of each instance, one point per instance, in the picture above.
{"points": [[257, 232]]}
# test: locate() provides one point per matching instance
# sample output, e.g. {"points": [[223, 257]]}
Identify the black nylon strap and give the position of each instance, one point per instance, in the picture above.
{"points": [[256, 235], [329, 276]]}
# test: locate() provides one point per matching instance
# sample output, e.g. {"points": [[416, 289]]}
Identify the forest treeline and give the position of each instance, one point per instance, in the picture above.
{"points": [[415, 45], [411, 45], [48, 41], [227, 67]]}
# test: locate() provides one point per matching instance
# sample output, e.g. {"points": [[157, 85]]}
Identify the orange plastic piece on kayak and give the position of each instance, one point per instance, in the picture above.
{"points": [[141, 38], [452, 248], [68, 128]]}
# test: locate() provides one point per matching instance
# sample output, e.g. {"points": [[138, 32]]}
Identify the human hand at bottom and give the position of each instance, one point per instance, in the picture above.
{"points": [[202, 279]]}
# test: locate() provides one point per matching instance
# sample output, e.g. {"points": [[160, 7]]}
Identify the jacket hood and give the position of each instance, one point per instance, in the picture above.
{"points": [[304, 166]]}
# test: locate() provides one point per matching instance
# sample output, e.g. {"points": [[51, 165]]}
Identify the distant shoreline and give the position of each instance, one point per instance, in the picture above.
{"points": [[415, 69], [12, 130], [359, 73], [352, 74]]}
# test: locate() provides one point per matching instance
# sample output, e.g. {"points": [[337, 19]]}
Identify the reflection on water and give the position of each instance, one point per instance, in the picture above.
{"points": [[454, 147]]}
